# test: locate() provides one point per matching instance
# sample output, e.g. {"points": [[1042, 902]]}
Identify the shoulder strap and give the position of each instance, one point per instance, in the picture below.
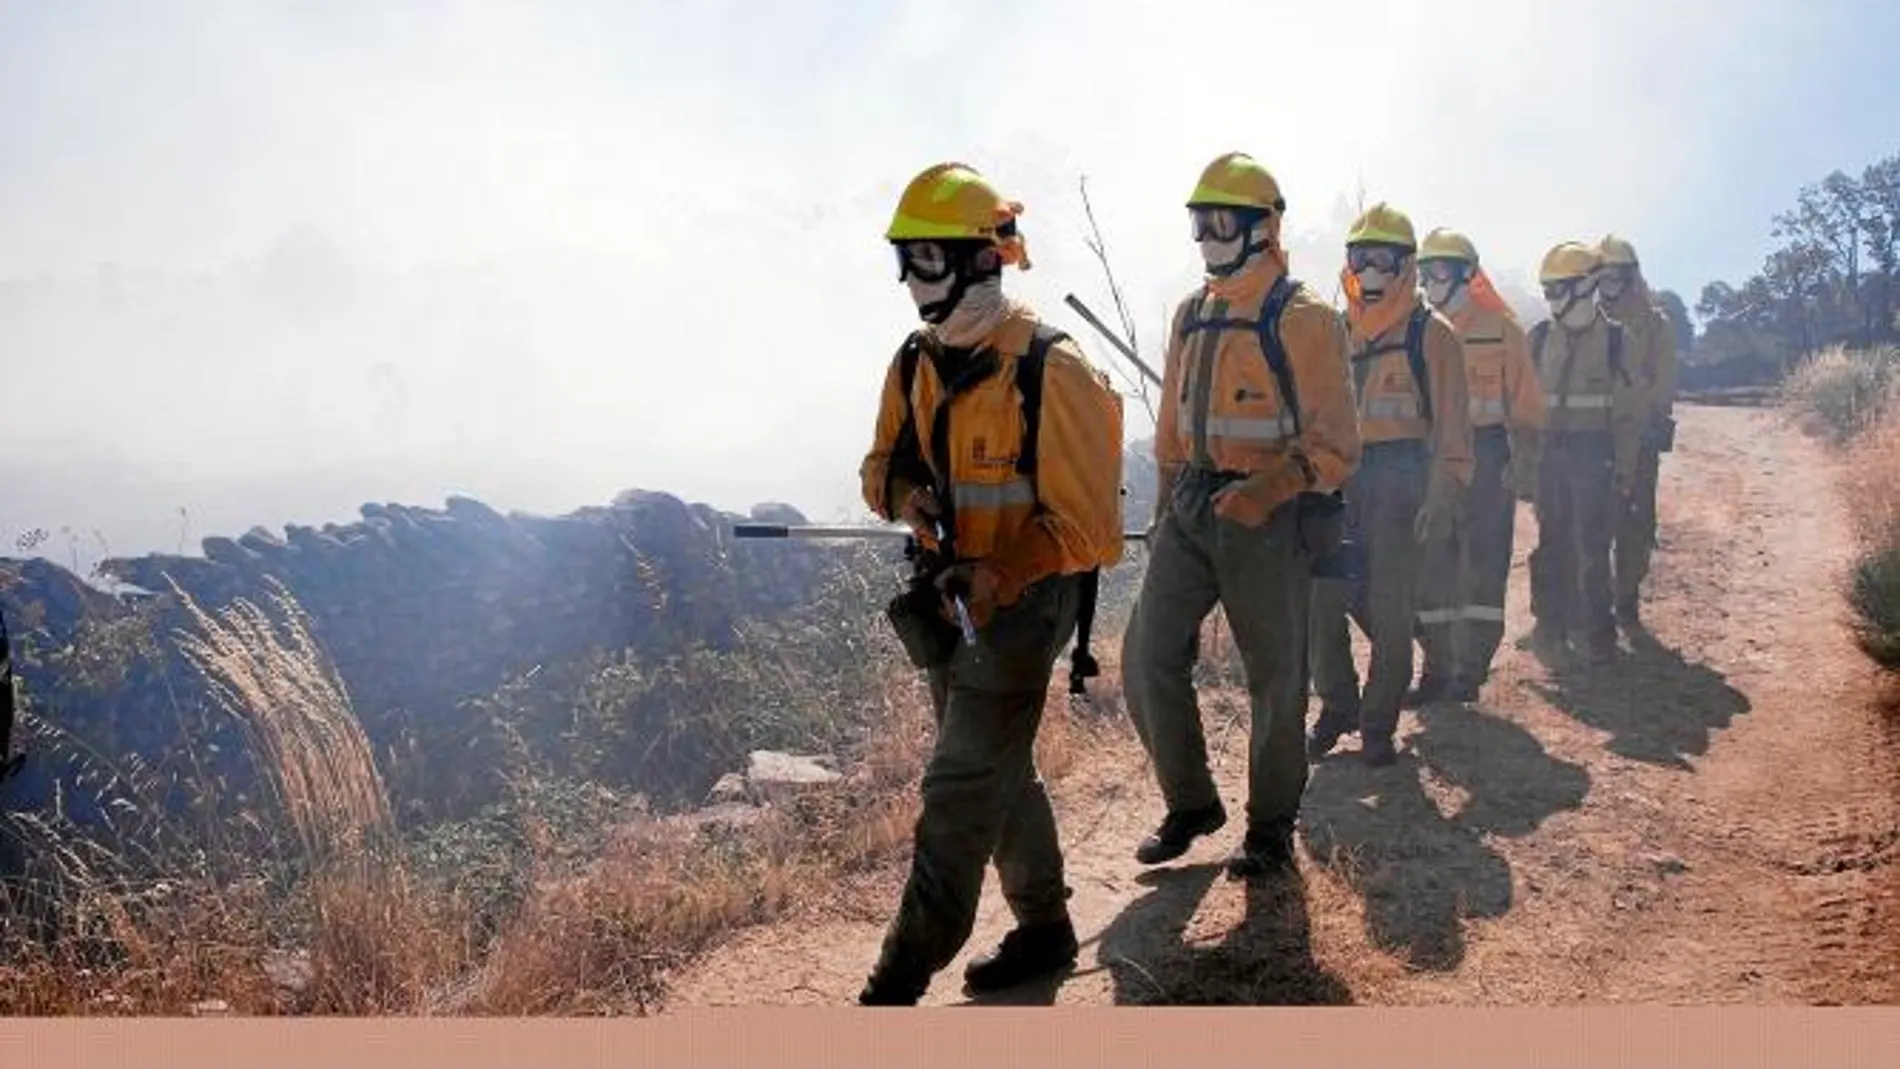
{"points": [[907, 451], [1539, 334], [1415, 356], [1268, 329], [1029, 369], [1616, 353], [1029, 384]]}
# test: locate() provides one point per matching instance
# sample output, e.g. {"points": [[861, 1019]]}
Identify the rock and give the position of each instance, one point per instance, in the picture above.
{"points": [[725, 818], [290, 970], [422, 610], [777, 512], [777, 778], [730, 788], [469, 510], [1668, 864], [221, 550], [260, 540]]}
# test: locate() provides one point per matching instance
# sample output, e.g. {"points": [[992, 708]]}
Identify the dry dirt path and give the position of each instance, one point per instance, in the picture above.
{"points": [[1711, 820]]}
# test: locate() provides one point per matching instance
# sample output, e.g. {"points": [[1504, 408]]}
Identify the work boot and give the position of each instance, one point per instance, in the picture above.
{"points": [[1545, 644], [1430, 691], [1261, 854], [1378, 751], [1331, 726], [1462, 690], [889, 989], [1025, 954], [1598, 654], [1178, 832]]}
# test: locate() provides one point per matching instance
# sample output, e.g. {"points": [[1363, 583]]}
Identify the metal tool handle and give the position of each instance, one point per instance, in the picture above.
{"points": [[783, 530], [1113, 339]]}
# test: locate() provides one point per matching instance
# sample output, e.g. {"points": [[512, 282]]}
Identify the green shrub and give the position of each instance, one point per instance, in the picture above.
{"points": [[1874, 597]]}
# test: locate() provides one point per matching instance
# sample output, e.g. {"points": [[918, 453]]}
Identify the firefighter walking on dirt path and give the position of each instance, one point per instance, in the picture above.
{"points": [[1597, 412], [1254, 436], [994, 430], [1626, 298], [1459, 635], [1408, 367]]}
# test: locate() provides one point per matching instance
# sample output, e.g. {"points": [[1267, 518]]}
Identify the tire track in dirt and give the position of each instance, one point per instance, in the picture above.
{"points": [[1711, 820]]}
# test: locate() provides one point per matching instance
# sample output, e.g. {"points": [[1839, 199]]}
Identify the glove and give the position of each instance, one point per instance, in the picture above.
{"points": [[920, 509], [1520, 478], [1251, 500], [1437, 518], [1520, 472], [976, 584], [1167, 476]]}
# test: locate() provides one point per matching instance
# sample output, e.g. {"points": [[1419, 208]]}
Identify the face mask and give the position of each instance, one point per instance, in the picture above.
{"points": [[1376, 267], [1613, 284], [939, 277], [1442, 283], [933, 299], [1574, 312], [1226, 246], [1373, 283], [1219, 255], [980, 311]]}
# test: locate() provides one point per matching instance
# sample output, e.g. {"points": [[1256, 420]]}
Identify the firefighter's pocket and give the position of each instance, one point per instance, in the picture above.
{"points": [[1320, 520], [1663, 435]]}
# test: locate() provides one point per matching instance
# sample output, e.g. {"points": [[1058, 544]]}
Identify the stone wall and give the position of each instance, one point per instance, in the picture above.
{"points": [[420, 610]]}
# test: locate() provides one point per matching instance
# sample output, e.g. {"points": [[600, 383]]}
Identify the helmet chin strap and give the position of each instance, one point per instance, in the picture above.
{"points": [[1456, 297], [935, 310], [1576, 299]]}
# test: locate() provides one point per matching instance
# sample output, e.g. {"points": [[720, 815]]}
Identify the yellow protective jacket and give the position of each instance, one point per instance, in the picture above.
{"points": [[1066, 517], [1389, 399], [1651, 348], [1221, 406], [1584, 393], [1500, 378]]}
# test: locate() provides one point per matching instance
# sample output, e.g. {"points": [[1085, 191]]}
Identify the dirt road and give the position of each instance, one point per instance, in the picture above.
{"points": [[1712, 820]]}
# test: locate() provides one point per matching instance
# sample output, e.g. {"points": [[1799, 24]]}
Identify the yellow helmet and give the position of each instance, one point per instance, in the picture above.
{"points": [[1236, 180], [1447, 244], [1382, 224], [1615, 252], [951, 201], [1571, 259]]}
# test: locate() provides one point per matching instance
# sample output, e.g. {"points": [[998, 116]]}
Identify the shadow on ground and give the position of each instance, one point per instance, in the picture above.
{"points": [[1421, 864], [1265, 960], [1658, 707]]}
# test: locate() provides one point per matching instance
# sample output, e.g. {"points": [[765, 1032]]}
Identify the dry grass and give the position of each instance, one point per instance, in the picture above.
{"points": [[333, 918], [1838, 393], [1851, 399], [1870, 479], [357, 933]]}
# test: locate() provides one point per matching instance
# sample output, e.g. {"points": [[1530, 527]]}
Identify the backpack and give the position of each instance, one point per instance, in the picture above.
{"points": [[1267, 329], [1028, 381], [1541, 333], [1321, 513]]}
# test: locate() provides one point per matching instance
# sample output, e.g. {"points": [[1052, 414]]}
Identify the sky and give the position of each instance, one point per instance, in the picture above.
{"points": [[263, 262]]}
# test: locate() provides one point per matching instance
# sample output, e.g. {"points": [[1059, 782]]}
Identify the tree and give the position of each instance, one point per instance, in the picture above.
{"points": [[1880, 205], [1835, 276], [1679, 320]]}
